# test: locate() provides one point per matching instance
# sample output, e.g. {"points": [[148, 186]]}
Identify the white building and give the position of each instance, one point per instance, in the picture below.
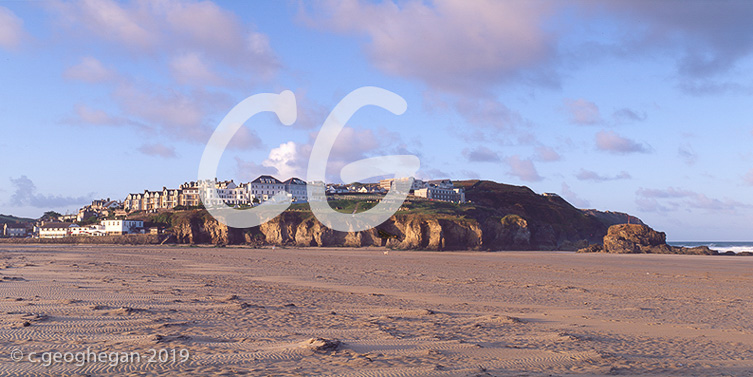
{"points": [[54, 230], [122, 226], [441, 190], [87, 230], [297, 189], [319, 187], [386, 184], [265, 187]]}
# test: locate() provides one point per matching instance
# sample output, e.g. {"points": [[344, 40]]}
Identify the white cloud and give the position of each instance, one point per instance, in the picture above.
{"points": [[288, 160], [455, 45], [108, 20], [206, 27], [583, 112], [182, 31], [11, 29], [291, 159], [89, 70], [610, 141], [523, 169], [190, 68]]}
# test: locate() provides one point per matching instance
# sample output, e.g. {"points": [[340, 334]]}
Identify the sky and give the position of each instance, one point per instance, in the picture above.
{"points": [[643, 107]]}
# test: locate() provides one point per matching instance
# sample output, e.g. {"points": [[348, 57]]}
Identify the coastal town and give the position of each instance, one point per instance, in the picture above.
{"points": [[110, 217]]}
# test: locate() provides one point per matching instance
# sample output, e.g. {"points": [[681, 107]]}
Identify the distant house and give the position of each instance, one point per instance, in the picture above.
{"points": [[15, 230], [386, 184], [67, 218], [116, 227], [441, 190], [87, 230], [265, 187], [296, 187], [85, 213], [54, 229]]}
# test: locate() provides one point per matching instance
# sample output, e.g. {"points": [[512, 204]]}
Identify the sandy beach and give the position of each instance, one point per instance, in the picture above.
{"points": [[369, 312]]}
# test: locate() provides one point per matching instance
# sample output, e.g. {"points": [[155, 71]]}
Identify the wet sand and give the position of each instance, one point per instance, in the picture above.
{"points": [[235, 311]]}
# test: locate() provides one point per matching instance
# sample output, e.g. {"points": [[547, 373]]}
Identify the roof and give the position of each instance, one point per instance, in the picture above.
{"points": [[266, 179], [17, 225], [55, 225], [295, 181]]}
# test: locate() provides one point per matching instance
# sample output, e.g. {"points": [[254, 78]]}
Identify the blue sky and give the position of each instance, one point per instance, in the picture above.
{"points": [[635, 106]]}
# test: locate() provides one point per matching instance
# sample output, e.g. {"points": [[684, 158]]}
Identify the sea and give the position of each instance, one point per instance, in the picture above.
{"points": [[722, 247]]}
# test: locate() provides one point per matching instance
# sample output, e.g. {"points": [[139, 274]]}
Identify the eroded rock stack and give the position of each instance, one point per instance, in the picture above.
{"points": [[638, 238]]}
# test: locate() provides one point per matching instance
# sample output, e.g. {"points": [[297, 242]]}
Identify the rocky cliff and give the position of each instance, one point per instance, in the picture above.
{"points": [[499, 217]]}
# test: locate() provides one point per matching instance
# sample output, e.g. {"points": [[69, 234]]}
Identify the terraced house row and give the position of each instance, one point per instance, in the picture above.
{"points": [[259, 190]]}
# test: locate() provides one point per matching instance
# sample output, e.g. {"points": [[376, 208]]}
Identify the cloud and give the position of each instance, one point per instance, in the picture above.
{"points": [[87, 115], [158, 150], [588, 175], [583, 112], [288, 160], [11, 29], [474, 47], [573, 198], [625, 115], [89, 70], [749, 177], [488, 113], [687, 154], [481, 154], [291, 159], [451, 45], [110, 21], [674, 199], [469, 174], [432, 173], [706, 39], [610, 141], [173, 110], [178, 115], [204, 26], [177, 29], [523, 169], [249, 170], [25, 194], [191, 68], [547, 154]]}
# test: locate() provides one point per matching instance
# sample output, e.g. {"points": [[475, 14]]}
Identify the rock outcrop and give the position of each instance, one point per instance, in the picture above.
{"points": [[635, 238], [638, 238]]}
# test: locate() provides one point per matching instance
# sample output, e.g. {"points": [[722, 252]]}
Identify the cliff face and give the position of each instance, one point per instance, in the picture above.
{"points": [[499, 217], [406, 232], [400, 232]]}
